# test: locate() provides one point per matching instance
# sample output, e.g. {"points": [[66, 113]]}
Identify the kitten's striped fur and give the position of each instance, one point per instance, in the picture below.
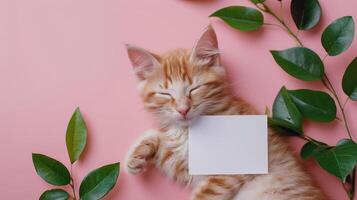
{"points": [[179, 86]]}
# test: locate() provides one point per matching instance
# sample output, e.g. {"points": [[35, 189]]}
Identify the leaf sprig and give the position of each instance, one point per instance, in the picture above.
{"points": [[95, 185]]}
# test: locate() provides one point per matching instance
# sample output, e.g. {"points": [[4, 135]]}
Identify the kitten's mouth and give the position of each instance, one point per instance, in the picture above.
{"points": [[186, 120]]}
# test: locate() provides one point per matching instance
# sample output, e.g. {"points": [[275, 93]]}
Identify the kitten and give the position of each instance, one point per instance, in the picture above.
{"points": [[178, 87]]}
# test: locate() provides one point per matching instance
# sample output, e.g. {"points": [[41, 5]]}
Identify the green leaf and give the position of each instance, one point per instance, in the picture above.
{"points": [[339, 160], [314, 105], [257, 1], [310, 149], [241, 18], [99, 182], [55, 194], [338, 36], [51, 170], [76, 136], [306, 13], [283, 128], [349, 81], [285, 113], [300, 62]]}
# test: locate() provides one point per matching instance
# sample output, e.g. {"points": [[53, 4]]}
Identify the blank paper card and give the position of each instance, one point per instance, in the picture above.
{"points": [[228, 144]]}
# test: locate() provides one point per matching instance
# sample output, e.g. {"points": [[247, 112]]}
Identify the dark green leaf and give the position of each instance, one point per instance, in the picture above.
{"points": [[306, 13], [99, 182], [257, 1], [51, 170], [349, 81], [339, 160], [310, 149], [241, 18], [314, 105], [338, 36], [55, 194], [300, 62], [285, 113], [283, 128], [76, 136]]}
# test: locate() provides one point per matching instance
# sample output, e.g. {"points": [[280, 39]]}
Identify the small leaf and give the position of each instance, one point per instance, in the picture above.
{"points": [[306, 13], [76, 136], [301, 63], [99, 182], [315, 105], [310, 149], [339, 160], [285, 113], [349, 81], [257, 1], [51, 170], [55, 194], [241, 18], [338, 36]]}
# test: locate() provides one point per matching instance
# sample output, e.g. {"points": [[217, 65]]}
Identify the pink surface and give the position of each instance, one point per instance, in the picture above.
{"points": [[56, 55]]}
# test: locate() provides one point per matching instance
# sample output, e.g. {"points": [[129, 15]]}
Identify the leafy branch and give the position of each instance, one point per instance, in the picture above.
{"points": [[95, 185], [325, 80], [292, 107]]}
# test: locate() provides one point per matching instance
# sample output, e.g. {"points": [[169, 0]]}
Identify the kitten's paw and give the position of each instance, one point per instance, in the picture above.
{"points": [[135, 165], [142, 152]]}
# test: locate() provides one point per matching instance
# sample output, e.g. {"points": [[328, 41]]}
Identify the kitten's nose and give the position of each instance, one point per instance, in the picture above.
{"points": [[183, 111]]}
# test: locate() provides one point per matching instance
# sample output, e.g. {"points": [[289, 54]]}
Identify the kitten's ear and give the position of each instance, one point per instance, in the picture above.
{"points": [[143, 61], [206, 50]]}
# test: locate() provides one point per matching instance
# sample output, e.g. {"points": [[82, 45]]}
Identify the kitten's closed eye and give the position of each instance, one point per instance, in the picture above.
{"points": [[164, 94], [195, 89]]}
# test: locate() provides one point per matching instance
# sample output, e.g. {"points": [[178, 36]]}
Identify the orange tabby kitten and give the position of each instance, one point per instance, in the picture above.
{"points": [[179, 86]]}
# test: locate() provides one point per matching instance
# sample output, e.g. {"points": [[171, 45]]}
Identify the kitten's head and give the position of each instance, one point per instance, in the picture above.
{"points": [[181, 85]]}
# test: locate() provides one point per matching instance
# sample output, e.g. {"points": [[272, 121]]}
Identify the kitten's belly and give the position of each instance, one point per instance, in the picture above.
{"points": [[262, 188]]}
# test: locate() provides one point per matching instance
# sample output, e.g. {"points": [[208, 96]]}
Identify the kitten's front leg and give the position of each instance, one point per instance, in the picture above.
{"points": [[142, 152], [217, 188]]}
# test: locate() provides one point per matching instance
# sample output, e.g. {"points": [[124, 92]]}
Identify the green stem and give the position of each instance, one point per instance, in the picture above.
{"points": [[344, 104], [268, 10], [333, 91], [310, 139], [72, 185], [277, 25]]}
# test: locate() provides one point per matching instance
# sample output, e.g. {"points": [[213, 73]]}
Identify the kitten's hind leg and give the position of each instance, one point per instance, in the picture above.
{"points": [[218, 188], [142, 152]]}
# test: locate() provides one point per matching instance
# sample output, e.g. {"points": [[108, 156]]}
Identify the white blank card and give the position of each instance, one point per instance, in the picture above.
{"points": [[228, 144]]}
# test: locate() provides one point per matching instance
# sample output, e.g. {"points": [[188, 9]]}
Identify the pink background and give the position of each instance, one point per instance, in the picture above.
{"points": [[57, 55]]}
